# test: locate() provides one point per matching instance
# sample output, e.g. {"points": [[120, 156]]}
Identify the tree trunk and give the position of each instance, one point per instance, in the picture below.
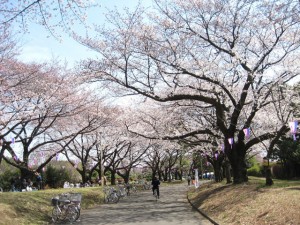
{"points": [[26, 174], [269, 180], [176, 174], [113, 177], [236, 155], [153, 174], [83, 175], [239, 171], [165, 174], [227, 172], [125, 176], [181, 175], [160, 175]]}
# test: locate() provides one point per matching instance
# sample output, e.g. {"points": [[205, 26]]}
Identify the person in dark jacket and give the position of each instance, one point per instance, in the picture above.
{"points": [[155, 185], [39, 181]]}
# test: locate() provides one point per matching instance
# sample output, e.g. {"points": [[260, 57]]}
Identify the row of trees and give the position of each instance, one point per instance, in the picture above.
{"points": [[217, 68], [47, 114], [205, 73]]}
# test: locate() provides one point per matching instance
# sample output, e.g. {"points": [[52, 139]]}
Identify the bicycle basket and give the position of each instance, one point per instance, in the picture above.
{"points": [[63, 197], [54, 201], [75, 197]]}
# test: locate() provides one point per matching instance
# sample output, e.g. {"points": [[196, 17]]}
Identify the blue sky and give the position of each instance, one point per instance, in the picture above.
{"points": [[39, 46]]}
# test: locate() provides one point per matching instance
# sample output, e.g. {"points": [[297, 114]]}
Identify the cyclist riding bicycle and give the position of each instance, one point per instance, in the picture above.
{"points": [[155, 186]]}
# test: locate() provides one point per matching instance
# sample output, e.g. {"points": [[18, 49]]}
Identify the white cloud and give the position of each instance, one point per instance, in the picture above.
{"points": [[35, 54]]}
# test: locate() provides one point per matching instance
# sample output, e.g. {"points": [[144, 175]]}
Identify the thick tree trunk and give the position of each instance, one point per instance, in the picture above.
{"points": [[239, 171], [26, 174], [236, 155], [227, 172], [125, 176], [83, 176], [216, 172], [269, 180]]}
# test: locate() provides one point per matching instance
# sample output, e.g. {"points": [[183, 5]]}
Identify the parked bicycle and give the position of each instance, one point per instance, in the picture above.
{"points": [[66, 207], [146, 186], [111, 195], [122, 191]]}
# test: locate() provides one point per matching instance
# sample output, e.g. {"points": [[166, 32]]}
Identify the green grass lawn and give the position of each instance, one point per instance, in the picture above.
{"points": [[261, 182], [33, 208]]}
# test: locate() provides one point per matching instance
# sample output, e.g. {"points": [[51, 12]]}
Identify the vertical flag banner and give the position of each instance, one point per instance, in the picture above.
{"points": [[16, 158], [196, 178], [293, 126], [216, 155], [12, 140], [230, 140], [247, 132], [222, 148], [57, 156]]}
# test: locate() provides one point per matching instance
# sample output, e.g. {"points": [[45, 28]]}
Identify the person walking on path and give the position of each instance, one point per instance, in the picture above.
{"points": [[155, 185]]}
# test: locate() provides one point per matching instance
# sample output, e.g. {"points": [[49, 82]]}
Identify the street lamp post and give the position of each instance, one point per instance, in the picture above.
{"points": [[101, 167]]}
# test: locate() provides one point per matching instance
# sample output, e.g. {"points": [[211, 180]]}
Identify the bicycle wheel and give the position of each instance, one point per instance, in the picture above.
{"points": [[78, 209], [72, 213], [106, 199], [55, 214], [113, 197]]}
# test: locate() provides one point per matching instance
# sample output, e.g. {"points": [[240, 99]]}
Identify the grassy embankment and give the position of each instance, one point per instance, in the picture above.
{"points": [[251, 203], [34, 208]]}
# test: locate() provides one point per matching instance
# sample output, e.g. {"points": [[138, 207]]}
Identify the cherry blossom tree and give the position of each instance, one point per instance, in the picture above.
{"points": [[227, 58], [84, 152], [40, 112], [153, 158], [52, 14]]}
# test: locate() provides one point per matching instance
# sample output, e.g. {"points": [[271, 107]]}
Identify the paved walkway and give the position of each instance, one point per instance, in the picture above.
{"points": [[142, 209]]}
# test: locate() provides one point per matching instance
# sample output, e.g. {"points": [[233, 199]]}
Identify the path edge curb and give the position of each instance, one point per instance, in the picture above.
{"points": [[200, 211]]}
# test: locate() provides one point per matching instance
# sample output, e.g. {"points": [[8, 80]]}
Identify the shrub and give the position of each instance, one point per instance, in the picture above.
{"points": [[7, 174], [255, 170], [55, 177]]}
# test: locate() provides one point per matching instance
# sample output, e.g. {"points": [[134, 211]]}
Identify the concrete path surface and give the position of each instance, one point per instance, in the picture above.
{"points": [[142, 209]]}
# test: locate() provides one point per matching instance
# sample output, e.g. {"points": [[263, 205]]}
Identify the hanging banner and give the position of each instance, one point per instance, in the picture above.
{"points": [[247, 132], [293, 126], [223, 148], [196, 179], [230, 140], [57, 156]]}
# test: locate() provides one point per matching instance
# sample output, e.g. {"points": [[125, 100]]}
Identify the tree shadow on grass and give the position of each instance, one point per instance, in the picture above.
{"points": [[197, 201]]}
